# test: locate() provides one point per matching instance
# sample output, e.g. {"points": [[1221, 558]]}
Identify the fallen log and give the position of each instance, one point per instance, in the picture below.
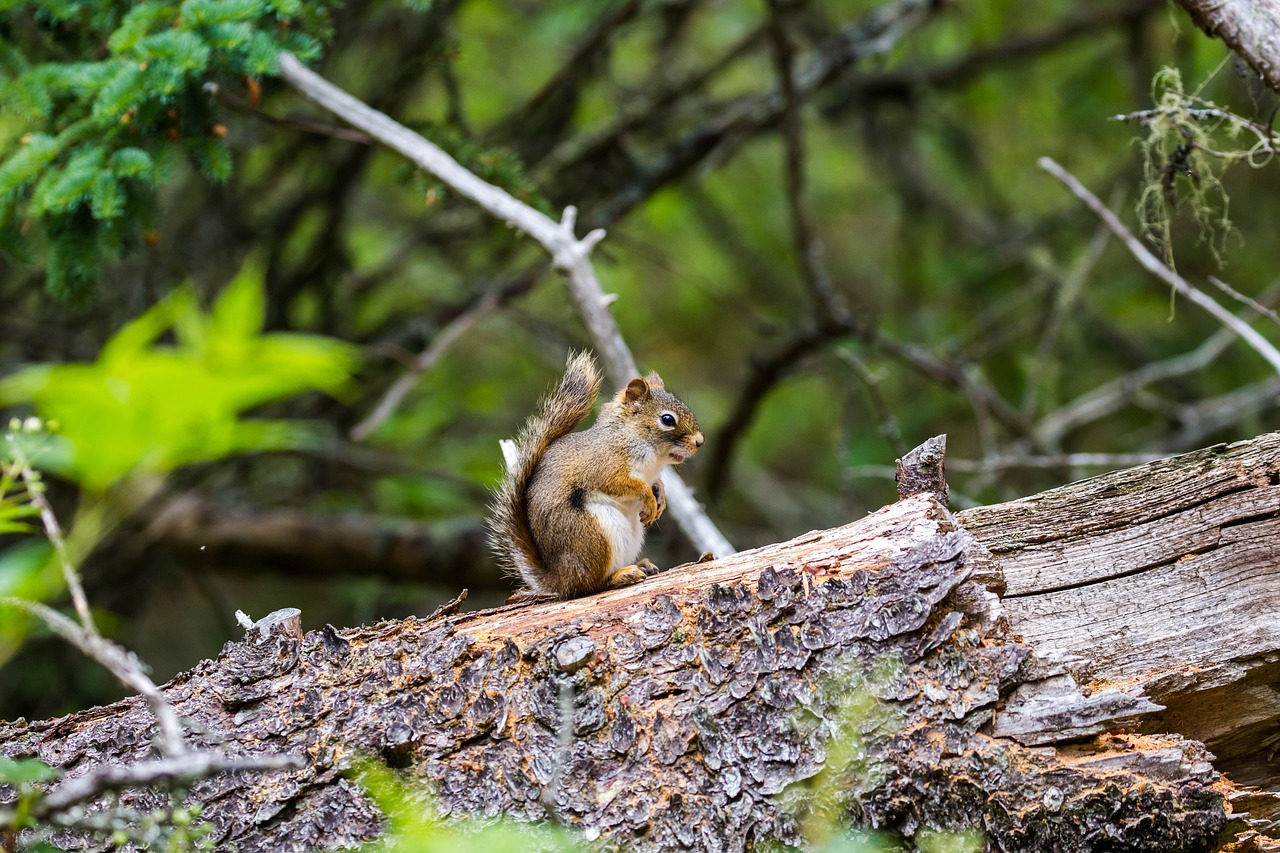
{"points": [[697, 697]]}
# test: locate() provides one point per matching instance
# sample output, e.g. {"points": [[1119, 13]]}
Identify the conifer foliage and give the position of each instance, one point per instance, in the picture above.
{"points": [[85, 144]]}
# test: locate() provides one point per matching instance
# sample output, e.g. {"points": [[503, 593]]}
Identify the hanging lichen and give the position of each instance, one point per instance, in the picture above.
{"points": [[1179, 168]]}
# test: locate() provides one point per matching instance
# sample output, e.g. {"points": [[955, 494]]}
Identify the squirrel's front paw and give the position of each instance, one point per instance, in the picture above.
{"points": [[647, 566], [649, 513], [659, 500]]}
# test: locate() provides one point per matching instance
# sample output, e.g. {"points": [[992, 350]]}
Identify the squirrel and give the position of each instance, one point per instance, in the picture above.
{"points": [[570, 514]]}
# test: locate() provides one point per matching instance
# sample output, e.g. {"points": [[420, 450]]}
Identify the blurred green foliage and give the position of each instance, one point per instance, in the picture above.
{"points": [[147, 407], [100, 133], [414, 824]]}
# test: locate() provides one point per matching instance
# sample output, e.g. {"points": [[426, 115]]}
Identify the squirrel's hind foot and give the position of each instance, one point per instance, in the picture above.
{"points": [[627, 575]]}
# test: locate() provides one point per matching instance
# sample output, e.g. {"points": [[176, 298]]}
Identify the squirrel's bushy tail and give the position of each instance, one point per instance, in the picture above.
{"points": [[510, 536]]}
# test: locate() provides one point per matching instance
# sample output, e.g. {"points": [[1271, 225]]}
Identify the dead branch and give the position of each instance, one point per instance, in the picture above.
{"points": [[569, 254], [1153, 265]]}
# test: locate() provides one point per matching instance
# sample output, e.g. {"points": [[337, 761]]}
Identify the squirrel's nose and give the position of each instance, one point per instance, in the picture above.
{"points": [[697, 439]]}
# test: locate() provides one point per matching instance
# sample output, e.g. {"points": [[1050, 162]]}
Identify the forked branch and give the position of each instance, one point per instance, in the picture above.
{"points": [[569, 254]]}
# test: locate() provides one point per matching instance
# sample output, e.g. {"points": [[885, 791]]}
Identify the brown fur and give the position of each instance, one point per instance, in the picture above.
{"points": [[546, 521]]}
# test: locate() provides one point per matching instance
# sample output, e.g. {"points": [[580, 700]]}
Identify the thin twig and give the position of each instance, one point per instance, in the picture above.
{"points": [[1153, 265], [569, 254], [177, 769], [767, 371], [1111, 396], [53, 530], [889, 427], [305, 125], [1266, 137], [1070, 286], [803, 237], [120, 663], [1246, 300], [770, 369], [440, 344]]}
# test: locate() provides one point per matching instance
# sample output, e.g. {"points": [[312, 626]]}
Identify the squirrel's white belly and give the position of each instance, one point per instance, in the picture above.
{"points": [[619, 521]]}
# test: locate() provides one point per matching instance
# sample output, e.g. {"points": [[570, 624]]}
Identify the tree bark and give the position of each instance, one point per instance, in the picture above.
{"points": [[1249, 27], [701, 694]]}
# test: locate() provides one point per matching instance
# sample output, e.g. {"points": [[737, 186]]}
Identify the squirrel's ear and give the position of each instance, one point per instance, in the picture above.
{"points": [[637, 389], [655, 381]]}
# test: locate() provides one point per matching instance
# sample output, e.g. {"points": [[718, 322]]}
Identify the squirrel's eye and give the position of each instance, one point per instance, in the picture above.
{"points": [[668, 420]]}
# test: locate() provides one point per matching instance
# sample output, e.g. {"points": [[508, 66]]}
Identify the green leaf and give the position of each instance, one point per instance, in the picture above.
{"points": [[229, 36], [185, 50], [28, 571], [203, 13], [262, 56], [123, 91], [241, 309], [147, 407], [74, 262], [287, 8], [12, 513], [212, 157], [73, 184], [24, 771]]}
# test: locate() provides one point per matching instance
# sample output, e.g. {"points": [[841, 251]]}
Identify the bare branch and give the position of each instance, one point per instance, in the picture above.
{"points": [[1153, 265], [185, 768], [568, 253], [440, 344], [120, 663], [53, 530], [305, 125], [1245, 300], [1110, 397], [805, 242], [1267, 139]]}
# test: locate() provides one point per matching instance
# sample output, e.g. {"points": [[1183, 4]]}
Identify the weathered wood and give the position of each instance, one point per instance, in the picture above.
{"points": [[697, 696], [1163, 579], [1249, 27], [924, 470]]}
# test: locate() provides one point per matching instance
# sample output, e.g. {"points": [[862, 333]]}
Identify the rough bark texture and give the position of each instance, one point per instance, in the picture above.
{"points": [[701, 694], [1249, 27]]}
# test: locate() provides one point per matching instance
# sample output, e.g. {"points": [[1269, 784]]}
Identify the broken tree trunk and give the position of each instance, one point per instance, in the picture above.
{"points": [[1165, 580], [699, 695]]}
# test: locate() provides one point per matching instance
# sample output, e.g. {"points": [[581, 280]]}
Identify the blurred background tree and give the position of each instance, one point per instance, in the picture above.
{"points": [[826, 230]]}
